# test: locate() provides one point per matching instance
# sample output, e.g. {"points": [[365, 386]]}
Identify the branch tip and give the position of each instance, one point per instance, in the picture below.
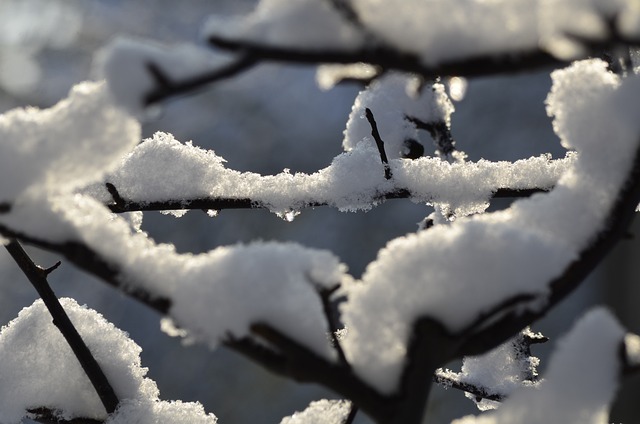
{"points": [[379, 143]]}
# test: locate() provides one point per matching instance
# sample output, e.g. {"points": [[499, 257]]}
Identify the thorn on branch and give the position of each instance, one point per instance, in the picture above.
{"points": [[379, 143], [5, 207], [52, 268]]}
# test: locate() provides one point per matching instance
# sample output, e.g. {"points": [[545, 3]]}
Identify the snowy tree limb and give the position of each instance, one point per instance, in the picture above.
{"points": [[130, 205]]}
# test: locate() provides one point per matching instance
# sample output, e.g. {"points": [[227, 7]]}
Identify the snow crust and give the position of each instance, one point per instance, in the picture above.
{"points": [[124, 63], [321, 412], [580, 382], [520, 250], [436, 31]]}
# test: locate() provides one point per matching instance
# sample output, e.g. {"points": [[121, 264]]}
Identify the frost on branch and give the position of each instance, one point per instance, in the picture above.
{"points": [[38, 362], [579, 384], [519, 250]]}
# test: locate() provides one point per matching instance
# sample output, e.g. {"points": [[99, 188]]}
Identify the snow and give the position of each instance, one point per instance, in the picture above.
{"points": [[501, 370], [30, 345], [124, 63], [632, 345], [391, 98], [580, 382], [329, 75], [64, 147], [153, 412], [519, 250], [321, 412], [297, 23]]}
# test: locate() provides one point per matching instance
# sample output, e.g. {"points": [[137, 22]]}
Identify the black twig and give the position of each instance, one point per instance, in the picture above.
{"points": [[166, 88], [379, 143], [333, 321], [38, 278], [440, 133], [222, 203]]}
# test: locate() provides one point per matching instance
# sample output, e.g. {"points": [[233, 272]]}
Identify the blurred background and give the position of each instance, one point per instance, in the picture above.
{"points": [[268, 119]]}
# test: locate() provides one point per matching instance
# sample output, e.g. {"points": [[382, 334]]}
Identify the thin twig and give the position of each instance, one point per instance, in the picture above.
{"points": [[332, 321], [38, 278], [222, 203], [379, 143], [166, 88]]}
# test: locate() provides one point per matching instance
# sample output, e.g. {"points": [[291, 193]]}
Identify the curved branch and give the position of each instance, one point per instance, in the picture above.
{"points": [[488, 331]]}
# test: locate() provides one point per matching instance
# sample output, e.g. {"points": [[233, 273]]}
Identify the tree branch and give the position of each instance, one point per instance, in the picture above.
{"points": [[489, 332], [165, 87], [38, 278], [441, 378], [220, 203], [47, 416]]}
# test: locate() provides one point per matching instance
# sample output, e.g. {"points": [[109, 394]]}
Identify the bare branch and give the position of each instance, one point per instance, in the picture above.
{"points": [[166, 88]]}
